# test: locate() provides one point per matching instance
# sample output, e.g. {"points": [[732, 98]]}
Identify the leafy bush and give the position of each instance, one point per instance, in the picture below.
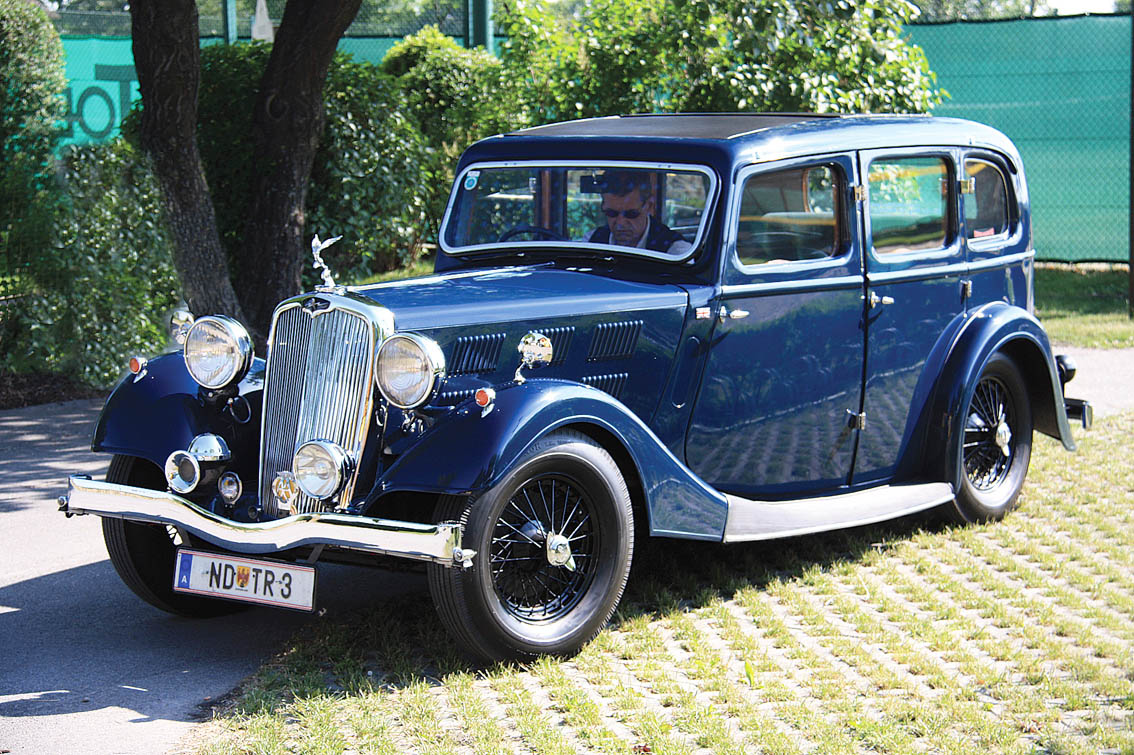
{"points": [[31, 80], [369, 176], [456, 96], [624, 56], [104, 289]]}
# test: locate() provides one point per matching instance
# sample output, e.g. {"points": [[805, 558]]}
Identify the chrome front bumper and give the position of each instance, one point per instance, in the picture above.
{"points": [[439, 543]]}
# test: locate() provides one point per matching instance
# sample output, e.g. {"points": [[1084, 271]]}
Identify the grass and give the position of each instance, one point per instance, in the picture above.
{"points": [[911, 637], [1085, 305]]}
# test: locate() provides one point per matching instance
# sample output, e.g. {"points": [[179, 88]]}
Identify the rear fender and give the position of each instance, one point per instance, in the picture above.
{"points": [[469, 450], [162, 409], [992, 328]]}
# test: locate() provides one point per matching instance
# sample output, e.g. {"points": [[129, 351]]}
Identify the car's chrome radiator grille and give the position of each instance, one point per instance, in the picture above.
{"points": [[319, 385]]}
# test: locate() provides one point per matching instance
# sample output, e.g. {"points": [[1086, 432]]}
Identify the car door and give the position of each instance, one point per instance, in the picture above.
{"points": [[785, 361], [915, 264]]}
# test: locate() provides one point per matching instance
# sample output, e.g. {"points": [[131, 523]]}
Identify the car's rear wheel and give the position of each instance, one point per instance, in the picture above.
{"points": [[997, 444], [553, 541], [143, 554]]}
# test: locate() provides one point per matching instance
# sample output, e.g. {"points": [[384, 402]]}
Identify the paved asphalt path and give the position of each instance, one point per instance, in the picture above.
{"points": [[86, 667]]}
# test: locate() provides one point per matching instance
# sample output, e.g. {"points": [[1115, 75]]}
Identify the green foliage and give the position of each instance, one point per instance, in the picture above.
{"points": [[103, 290], [456, 96], [371, 180], [621, 56], [369, 176], [31, 80], [935, 11]]}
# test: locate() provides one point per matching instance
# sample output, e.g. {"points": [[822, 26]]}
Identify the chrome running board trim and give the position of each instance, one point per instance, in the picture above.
{"points": [[765, 520], [439, 543]]}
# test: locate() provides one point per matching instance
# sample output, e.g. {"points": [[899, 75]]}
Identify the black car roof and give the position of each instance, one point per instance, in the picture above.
{"points": [[676, 126]]}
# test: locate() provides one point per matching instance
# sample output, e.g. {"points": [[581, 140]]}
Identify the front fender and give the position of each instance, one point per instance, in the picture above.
{"points": [[994, 327], [162, 409], [469, 450]]}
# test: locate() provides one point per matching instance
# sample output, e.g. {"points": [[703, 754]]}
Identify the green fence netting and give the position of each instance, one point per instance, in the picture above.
{"points": [[1059, 87]]}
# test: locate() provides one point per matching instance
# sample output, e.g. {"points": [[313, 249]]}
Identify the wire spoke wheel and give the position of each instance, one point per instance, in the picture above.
{"points": [[988, 434], [553, 538], [530, 583], [996, 443]]}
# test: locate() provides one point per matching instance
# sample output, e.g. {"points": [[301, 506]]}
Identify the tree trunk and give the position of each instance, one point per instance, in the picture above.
{"points": [[167, 59], [287, 124]]}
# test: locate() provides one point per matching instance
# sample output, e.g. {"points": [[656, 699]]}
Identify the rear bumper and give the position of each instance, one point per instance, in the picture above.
{"points": [[439, 543], [1081, 410]]}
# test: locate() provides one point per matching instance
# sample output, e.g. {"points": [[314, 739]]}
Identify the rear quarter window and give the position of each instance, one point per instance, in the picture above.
{"points": [[986, 201]]}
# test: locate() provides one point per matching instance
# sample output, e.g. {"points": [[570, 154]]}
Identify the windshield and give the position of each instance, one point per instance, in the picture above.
{"points": [[649, 210]]}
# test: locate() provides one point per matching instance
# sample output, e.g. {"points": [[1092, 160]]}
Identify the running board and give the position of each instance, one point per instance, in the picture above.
{"points": [[765, 520]]}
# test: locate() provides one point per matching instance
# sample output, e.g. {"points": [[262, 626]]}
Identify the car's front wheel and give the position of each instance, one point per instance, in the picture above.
{"points": [[143, 554], [997, 443], [553, 540]]}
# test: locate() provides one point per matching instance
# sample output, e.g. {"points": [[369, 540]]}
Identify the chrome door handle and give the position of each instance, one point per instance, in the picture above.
{"points": [[875, 299], [736, 314]]}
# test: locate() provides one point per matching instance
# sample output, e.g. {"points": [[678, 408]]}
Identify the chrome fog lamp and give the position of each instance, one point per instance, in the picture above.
{"points": [[320, 467], [204, 461], [409, 369], [218, 351], [182, 472]]}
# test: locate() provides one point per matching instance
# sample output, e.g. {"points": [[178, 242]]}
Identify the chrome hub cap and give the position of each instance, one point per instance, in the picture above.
{"points": [[559, 552], [1004, 438]]}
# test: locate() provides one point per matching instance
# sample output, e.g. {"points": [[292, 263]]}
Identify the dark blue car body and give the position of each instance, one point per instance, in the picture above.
{"points": [[739, 400]]}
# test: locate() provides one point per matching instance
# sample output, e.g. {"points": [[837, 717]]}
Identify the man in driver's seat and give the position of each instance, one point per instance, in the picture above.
{"points": [[628, 203]]}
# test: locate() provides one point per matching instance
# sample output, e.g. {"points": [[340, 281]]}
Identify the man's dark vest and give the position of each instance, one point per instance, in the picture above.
{"points": [[659, 239]]}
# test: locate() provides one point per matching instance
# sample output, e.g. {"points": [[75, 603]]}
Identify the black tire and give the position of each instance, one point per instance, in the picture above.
{"points": [[517, 600], [996, 445], [143, 554]]}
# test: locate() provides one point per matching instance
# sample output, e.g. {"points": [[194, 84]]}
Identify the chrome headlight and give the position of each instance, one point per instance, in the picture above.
{"points": [[409, 368], [320, 467], [218, 351]]}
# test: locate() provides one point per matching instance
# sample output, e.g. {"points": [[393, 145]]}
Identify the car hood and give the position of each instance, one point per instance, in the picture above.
{"points": [[514, 294]]}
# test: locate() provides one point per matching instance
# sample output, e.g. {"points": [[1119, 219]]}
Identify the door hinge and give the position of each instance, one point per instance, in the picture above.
{"points": [[966, 289], [856, 420], [860, 193]]}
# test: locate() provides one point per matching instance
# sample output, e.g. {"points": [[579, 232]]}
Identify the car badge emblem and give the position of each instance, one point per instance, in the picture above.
{"points": [[285, 489], [313, 304], [317, 248]]}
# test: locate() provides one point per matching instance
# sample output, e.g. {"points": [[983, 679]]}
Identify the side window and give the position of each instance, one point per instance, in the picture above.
{"points": [[790, 215], [908, 203], [986, 206]]}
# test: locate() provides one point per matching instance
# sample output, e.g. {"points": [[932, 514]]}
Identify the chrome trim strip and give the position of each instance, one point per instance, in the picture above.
{"points": [[995, 263], [917, 273], [785, 286], [606, 249], [439, 543]]}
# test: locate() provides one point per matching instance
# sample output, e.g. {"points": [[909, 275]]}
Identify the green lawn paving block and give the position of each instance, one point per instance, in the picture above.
{"points": [[476, 719], [579, 711], [539, 733]]}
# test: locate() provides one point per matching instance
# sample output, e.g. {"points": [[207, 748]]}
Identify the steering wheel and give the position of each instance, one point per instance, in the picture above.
{"points": [[523, 228]]}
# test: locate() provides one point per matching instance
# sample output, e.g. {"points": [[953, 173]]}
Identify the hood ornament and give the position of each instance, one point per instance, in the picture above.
{"points": [[317, 248]]}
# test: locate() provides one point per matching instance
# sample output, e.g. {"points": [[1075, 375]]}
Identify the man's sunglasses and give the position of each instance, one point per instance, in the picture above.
{"points": [[628, 214]]}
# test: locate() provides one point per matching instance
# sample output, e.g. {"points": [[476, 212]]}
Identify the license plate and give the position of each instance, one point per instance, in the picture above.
{"points": [[269, 583]]}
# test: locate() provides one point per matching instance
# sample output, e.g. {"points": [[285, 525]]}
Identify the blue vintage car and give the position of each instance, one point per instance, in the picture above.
{"points": [[715, 327]]}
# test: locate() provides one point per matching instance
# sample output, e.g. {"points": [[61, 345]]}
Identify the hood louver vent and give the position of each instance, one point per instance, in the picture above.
{"points": [[612, 384], [473, 354], [560, 342], [614, 340]]}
